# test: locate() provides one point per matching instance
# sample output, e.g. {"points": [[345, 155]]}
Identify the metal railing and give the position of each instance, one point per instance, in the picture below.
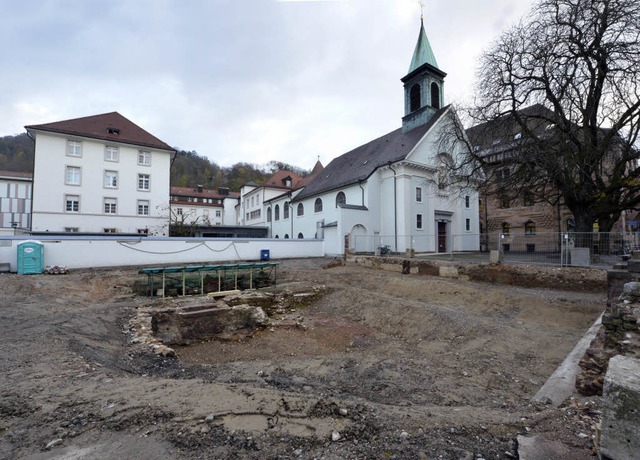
{"points": [[561, 249]]}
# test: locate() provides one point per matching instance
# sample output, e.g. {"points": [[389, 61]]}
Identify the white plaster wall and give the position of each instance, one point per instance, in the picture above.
{"points": [[49, 189], [79, 252]]}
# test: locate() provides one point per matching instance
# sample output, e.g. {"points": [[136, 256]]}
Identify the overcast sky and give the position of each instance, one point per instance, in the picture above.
{"points": [[237, 80]]}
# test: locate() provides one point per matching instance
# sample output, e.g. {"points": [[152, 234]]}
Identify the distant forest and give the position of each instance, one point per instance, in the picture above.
{"points": [[189, 169]]}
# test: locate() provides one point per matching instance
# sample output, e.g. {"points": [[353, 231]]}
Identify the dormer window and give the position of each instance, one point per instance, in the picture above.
{"points": [[287, 181], [114, 131]]}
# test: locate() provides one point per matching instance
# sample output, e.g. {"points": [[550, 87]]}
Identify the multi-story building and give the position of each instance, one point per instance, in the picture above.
{"points": [[99, 174], [201, 207], [15, 201]]}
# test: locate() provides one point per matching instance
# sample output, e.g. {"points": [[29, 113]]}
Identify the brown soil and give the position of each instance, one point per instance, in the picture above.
{"points": [[390, 365]]}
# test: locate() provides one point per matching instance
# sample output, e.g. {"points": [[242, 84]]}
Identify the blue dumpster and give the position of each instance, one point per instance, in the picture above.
{"points": [[264, 254]]}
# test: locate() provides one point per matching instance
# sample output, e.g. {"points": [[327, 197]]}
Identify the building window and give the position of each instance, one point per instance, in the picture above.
{"points": [[144, 158], [317, 206], [300, 209], [341, 199], [467, 224], [72, 203], [414, 98], [467, 201], [435, 95], [110, 206], [502, 175], [277, 212], [111, 153], [442, 178], [285, 210], [74, 148], [419, 221], [528, 199], [143, 231], [111, 179], [72, 175], [530, 228], [144, 182], [505, 203], [218, 213], [143, 207], [300, 236], [268, 214], [419, 194], [71, 229], [286, 236], [506, 228], [109, 230], [179, 211]]}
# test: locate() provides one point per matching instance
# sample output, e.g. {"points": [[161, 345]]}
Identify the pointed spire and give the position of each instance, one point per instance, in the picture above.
{"points": [[423, 53]]}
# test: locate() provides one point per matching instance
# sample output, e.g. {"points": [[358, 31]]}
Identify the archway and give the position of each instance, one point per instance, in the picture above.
{"points": [[358, 241]]}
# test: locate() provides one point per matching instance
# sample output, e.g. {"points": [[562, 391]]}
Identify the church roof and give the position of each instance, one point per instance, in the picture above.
{"points": [[358, 164], [423, 54], [107, 126]]}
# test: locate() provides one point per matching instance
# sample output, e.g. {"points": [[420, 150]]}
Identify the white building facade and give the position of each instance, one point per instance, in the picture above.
{"points": [[203, 207], [99, 174]]}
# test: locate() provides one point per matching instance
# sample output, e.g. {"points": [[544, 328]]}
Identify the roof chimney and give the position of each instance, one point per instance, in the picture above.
{"points": [[200, 188]]}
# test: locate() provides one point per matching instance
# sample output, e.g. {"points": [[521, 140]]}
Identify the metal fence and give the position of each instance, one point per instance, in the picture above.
{"points": [[561, 249]]}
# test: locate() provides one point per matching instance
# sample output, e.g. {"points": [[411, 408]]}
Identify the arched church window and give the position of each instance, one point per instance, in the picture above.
{"points": [[268, 214], [435, 95], [276, 211], [317, 206], [285, 210], [300, 209], [414, 97], [341, 199]]}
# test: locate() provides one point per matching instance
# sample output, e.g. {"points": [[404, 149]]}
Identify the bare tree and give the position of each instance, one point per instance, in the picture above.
{"points": [[558, 105]]}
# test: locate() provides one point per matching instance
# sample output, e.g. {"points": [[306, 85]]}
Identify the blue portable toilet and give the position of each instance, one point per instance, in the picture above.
{"points": [[265, 254], [30, 258]]}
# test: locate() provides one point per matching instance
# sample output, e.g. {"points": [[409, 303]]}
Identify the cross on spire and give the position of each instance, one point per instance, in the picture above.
{"points": [[421, 3]]}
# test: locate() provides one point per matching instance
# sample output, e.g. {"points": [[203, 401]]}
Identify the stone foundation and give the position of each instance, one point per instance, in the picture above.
{"points": [[619, 333]]}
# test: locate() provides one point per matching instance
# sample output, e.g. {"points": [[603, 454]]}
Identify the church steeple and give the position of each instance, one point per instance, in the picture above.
{"points": [[423, 85], [423, 54]]}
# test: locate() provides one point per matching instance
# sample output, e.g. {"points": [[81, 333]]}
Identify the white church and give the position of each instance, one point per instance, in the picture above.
{"points": [[392, 191]]}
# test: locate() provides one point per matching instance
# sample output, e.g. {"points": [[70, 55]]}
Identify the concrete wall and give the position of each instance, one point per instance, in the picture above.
{"points": [[82, 252]]}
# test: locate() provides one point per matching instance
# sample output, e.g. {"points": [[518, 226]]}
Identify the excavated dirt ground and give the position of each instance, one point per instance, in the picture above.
{"points": [[381, 365]]}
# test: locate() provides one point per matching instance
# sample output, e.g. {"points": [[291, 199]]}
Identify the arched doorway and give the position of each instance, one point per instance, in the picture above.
{"points": [[358, 241]]}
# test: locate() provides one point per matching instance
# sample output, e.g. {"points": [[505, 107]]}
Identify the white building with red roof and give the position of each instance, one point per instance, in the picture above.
{"points": [[99, 174]]}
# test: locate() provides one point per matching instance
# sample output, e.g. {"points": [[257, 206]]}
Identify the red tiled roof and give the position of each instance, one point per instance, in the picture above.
{"points": [[205, 193], [277, 180], [107, 126], [16, 174]]}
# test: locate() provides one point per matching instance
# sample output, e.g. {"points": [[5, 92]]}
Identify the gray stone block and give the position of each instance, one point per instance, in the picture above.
{"points": [[620, 438], [580, 257]]}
